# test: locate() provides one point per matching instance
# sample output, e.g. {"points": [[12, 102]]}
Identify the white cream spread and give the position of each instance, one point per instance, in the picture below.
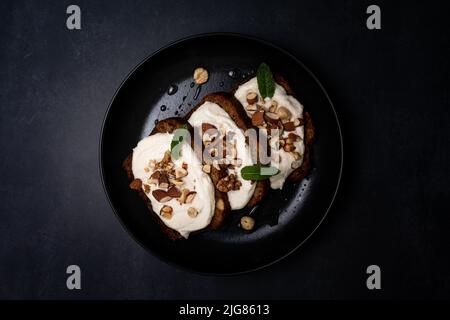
{"points": [[213, 114], [296, 109], [153, 148]]}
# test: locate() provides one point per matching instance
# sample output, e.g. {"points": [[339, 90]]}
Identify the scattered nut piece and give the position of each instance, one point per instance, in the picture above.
{"points": [[136, 184], [258, 118], [252, 107], [166, 212], [274, 104], [180, 173], [146, 188], [298, 122], [294, 137], [252, 97], [289, 126], [154, 178], [184, 166], [228, 183], [247, 223], [147, 169], [288, 147], [201, 75], [174, 192], [220, 205], [167, 157], [177, 182], [161, 195], [215, 164], [163, 180], [290, 141], [272, 115], [190, 197], [184, 193], [192, 212], [284, 113], [206, 168]]}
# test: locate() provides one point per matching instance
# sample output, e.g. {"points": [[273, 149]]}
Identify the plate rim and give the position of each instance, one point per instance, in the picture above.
{"points": [[207, 35]]}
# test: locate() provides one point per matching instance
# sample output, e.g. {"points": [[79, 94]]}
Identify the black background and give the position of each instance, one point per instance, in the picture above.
{"points": [[389, 88]]}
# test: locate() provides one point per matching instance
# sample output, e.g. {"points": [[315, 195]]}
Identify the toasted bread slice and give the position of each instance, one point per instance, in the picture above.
{"points": [[222, 206], [309, 132], [236, 112]]}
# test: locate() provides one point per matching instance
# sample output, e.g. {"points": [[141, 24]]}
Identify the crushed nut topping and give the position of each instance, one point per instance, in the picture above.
{"points": [[252, 97], [229, 183], [192, 212], [166, 212]]}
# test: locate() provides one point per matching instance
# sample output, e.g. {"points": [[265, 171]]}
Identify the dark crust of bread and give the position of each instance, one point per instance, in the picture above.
{"points": [[233, 107], [310, 132], [221, 199]]}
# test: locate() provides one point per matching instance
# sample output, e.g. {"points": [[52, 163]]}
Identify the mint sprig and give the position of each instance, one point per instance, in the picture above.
{"points": [[266, 83], [257, 172]]}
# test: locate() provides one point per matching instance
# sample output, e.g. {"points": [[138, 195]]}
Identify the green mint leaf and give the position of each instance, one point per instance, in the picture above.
{"points": [[257, 172], [266, 83]]}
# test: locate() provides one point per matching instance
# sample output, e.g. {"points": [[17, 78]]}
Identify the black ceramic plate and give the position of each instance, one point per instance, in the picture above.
{"points": [[285, 218]]}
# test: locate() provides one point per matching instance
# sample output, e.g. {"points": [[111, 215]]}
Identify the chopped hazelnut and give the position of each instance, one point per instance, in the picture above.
{"points": [[289, 126], [247, 223], [206, 168], [180, 173], [192, 212], [289, 147], [174, 192], [177, 182], [136, 184], [163, 180], [154, 178], [184, 193], [161, 195], [298, 122], [294, 137], [166, 212], [258, 118], [190, 196], [252, 107], [252, 97], [201, 75], [283, 113]]}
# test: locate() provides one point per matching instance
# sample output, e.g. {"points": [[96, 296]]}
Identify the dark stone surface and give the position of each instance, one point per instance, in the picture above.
{"points": [[389, 87]]}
